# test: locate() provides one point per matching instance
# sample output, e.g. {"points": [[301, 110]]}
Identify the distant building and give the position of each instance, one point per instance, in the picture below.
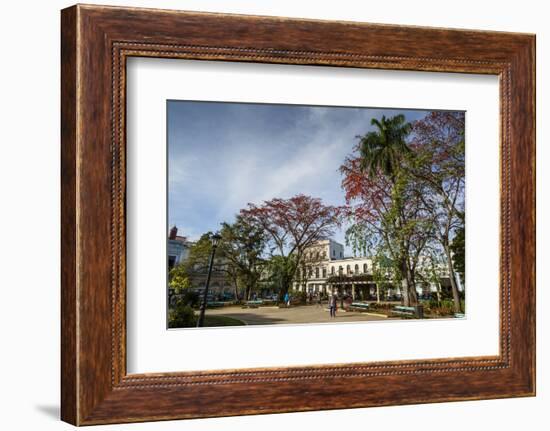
{"points": [[178, 248], [178, 251], [325, 269]]}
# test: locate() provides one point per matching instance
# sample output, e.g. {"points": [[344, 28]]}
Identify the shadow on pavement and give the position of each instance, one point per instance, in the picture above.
{"points": [[254, 319]]}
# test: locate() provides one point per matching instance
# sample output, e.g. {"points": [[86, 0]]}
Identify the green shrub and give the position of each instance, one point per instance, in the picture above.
{"points": [[191, 298], [442, 308], [181, 315], [300, 297]]}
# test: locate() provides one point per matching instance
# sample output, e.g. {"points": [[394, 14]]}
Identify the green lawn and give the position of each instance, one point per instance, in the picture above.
{"points": [[221, 321]]}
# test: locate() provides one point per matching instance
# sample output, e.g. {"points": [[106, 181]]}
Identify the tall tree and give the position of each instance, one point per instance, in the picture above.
{"points": [[243, 246], [458, 246], [292, 225], [196, 264], [438, 140], [383, 149], [384, 199]]}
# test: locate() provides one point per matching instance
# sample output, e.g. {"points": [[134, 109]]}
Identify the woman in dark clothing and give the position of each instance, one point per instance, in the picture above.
{"points": [[332, 304]]}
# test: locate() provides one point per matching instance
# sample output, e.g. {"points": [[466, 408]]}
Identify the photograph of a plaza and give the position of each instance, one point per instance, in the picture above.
{"points": [[298, 214]]}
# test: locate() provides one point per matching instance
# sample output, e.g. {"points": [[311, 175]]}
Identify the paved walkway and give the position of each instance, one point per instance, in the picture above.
{"points": [[295, 314]]}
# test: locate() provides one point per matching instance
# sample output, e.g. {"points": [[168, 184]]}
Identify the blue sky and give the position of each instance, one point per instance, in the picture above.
{"points": [[222, 156]]}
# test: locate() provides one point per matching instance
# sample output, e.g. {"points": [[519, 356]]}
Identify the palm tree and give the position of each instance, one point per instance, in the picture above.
{"points": [[383, 150]]}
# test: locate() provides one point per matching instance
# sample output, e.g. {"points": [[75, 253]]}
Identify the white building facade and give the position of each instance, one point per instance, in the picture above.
{"points": [[326, 270]]}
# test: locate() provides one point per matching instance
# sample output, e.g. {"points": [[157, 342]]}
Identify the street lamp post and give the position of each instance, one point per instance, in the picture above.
{"points": [[215, 241]]}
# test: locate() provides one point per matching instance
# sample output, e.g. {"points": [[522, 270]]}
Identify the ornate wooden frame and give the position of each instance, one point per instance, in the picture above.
{"points": [[95, 43]]}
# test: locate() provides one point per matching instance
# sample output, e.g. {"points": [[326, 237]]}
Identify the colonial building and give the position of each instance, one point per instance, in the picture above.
{"points": [[325, 269]]}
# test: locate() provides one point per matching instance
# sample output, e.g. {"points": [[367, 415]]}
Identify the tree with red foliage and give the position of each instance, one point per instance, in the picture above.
{"points": [[292, 226], [404, 185], [385, 201], [388, 220]]}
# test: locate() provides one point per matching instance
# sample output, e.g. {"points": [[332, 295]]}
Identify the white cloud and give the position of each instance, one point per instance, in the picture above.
{"points": [[216, 168]]}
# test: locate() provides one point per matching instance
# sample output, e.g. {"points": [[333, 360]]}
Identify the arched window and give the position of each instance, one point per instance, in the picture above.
{"points": [[324, 273], [356, 269], [365, 268], [348, 270], [332, 270], [340, 270], [317, 272]]}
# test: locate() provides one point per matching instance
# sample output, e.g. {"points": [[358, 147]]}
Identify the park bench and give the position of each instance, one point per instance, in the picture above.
{"points": [[459, 315], [360, 305], [214, 304], [253, 304], [413, 312]]}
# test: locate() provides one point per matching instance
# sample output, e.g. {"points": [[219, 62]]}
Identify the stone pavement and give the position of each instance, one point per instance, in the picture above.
{"points": [[294, 314]]}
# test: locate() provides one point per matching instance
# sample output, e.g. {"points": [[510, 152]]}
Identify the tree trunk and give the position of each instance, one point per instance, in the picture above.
{"points": [[408, 290], [404, 284], [454, 288], [413, 297], [285, 286], [405, 292], [236, 291]]}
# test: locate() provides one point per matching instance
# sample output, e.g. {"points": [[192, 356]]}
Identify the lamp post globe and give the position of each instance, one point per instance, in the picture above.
{"points": [[215, 239]]}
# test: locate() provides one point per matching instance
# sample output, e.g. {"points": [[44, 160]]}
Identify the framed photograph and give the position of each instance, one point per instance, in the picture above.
{"points": [[264, 214]]}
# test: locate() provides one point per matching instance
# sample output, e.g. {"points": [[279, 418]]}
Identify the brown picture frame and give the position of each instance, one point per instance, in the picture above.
{"points": [[95, 43]]}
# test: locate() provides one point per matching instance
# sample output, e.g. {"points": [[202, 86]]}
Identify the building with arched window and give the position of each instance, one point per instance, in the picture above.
{"points": [[329, 271]]}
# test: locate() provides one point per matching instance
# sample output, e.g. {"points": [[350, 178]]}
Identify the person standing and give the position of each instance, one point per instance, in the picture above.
{"points": [[332, 301], [287, 299]]}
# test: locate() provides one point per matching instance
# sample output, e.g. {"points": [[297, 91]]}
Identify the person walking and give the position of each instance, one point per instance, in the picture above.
{"points": [[332, 301], [287, 299]]}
